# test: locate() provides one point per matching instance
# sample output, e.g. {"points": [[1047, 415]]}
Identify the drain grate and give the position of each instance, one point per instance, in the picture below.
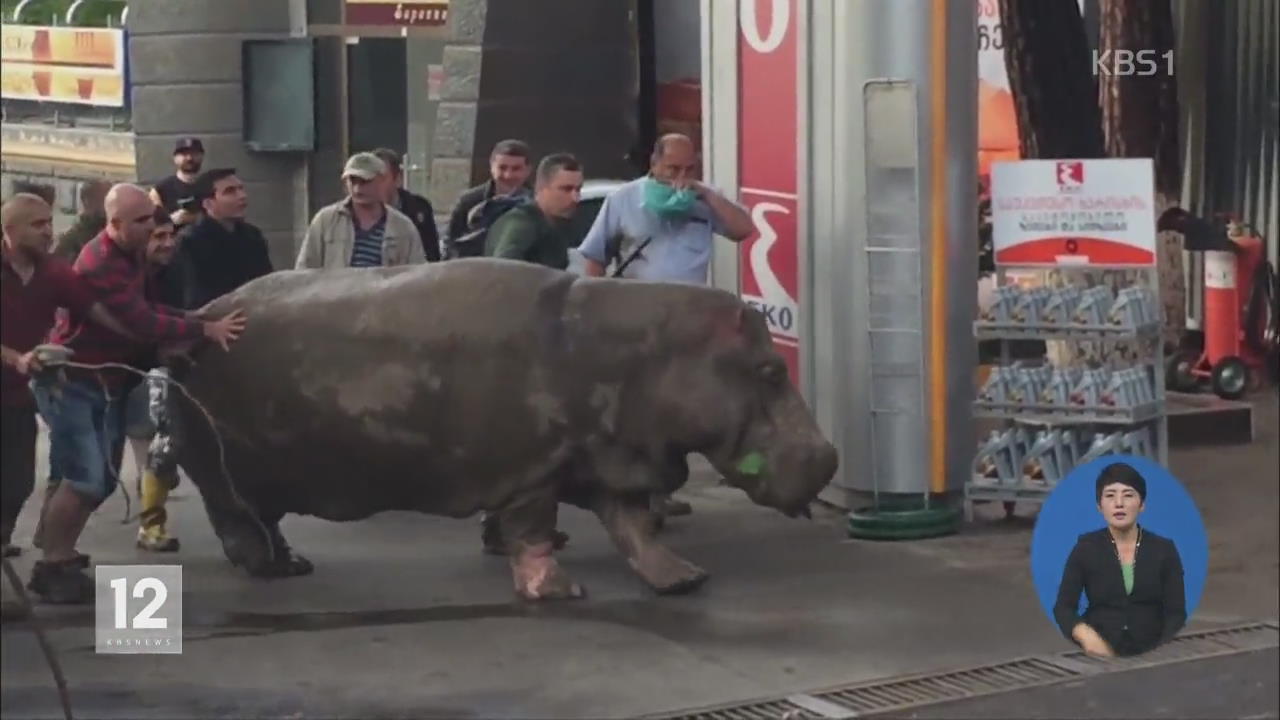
{"points": [[884, 696], [1191, 646], [897, 694], [776, 710]]}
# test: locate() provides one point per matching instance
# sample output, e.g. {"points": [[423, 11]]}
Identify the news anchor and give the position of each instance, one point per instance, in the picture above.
{"points": [[1131, 576]]}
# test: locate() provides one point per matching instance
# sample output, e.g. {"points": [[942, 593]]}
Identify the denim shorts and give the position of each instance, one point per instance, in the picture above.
{"points": [[84, 426]]}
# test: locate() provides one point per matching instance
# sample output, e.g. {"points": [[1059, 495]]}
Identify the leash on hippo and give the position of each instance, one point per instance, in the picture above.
{"points": [[57, 357]]}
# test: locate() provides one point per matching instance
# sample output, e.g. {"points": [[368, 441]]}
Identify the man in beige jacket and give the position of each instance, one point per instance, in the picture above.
{"points": [[362, 230]]}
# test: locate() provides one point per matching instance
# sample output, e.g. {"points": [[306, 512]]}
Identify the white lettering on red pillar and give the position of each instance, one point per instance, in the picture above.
{"points": [[768, 123]]}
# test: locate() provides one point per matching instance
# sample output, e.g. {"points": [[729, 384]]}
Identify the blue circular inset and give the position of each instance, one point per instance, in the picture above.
{"points": [[1072, 510]]}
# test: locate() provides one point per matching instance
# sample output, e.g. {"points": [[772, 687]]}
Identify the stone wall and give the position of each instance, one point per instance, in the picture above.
{"points": [[185, 62], [559, 74]]}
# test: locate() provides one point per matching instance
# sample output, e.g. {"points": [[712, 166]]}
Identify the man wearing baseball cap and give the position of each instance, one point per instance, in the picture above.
{"points": [[361, 230], [177, 193]]}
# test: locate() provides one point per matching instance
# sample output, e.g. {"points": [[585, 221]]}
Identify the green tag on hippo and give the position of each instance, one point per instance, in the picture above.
{"points": [[751, 463]]}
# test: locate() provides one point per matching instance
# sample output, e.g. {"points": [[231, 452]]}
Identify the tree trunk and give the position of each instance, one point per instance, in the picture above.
{"points": [[1047, 56], [1050, 68], [1140, 111], [1140, 119]]}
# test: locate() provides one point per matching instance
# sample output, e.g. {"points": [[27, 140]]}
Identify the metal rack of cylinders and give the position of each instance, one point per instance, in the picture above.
{"points": [[849, 129]]}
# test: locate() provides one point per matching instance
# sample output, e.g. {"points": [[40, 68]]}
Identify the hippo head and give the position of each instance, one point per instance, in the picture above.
{"points": [[729, 397]]}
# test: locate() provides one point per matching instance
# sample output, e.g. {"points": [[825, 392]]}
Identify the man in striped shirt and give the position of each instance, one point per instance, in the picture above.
{"points": [[361, 230], [81, 407]]}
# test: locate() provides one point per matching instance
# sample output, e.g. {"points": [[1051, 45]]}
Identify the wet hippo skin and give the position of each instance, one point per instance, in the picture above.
{"points": [[484, 384]]}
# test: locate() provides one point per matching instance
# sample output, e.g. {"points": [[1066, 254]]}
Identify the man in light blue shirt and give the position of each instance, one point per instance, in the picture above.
{"points": [[662, 226]]}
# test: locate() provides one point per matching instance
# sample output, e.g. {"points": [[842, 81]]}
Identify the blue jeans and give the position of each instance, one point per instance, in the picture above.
{"points": [[84, 428]]}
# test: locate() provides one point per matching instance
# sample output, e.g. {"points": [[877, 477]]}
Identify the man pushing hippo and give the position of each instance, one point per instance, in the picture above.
{"points": [[357, 391]]}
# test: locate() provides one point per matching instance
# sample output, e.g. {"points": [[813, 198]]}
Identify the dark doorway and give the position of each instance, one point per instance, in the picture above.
{"points": [[377, 107]]}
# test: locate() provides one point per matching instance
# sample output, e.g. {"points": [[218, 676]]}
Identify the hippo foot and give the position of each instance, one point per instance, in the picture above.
{"points": [[669, 574], [291, 565], [538, 576], [251, 553]]}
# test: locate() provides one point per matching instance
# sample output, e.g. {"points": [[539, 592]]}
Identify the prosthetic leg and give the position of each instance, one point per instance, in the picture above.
{"points": [[152, 535], [160, 470]]}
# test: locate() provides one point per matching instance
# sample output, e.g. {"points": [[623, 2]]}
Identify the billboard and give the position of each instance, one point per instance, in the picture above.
{"points": [[768, 125], [80, 66]]}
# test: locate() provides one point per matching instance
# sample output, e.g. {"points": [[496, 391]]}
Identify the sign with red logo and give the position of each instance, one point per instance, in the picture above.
{"points": [[1074, 212], [768, 122], [1070, 176]]}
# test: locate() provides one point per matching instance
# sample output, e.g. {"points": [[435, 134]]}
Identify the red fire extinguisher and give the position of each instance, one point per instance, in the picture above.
{"points": [[1240, 312]]}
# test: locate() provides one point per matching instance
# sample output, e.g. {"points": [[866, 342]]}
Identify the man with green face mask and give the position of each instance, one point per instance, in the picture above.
{"points": [[662, 228], [665, 222]]}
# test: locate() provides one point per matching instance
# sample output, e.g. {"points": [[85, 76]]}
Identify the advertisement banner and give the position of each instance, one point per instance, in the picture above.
{"points": [[409, 13], [997, 120], [82, 66], [997, 117], [768, 125], [1074, 212]]}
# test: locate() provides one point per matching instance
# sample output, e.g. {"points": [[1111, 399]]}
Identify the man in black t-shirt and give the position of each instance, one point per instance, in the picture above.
{"points": [[177, 193]]}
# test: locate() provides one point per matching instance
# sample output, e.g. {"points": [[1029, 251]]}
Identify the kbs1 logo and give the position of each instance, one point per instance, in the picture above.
{"points": [[1132, 63]]}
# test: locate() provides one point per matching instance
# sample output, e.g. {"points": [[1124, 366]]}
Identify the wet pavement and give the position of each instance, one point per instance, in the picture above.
{"points": [[404, 616]]}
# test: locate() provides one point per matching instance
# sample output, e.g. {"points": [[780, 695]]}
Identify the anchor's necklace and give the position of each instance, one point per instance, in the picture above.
{"points": [[1137, 543]]}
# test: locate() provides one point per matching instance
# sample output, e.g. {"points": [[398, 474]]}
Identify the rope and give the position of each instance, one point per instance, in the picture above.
{"points": [[50, 657], [54, 356], [55, 361]]}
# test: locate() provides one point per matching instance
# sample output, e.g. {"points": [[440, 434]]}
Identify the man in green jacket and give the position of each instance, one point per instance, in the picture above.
{"points": [[539, 231], [91, 221]]}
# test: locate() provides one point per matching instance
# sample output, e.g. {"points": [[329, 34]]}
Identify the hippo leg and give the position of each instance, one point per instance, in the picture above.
{"points": [[257, 545], [493, 544], [529, 534], [630, 524]]}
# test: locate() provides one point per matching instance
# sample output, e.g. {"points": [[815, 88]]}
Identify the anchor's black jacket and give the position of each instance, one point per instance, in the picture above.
{"points": [[1130, 623]]}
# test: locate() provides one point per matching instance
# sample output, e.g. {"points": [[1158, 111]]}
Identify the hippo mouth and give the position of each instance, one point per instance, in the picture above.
{"points": [[757, 489]]}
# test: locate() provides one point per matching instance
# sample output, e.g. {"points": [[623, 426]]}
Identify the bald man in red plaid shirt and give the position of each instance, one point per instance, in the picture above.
{"points": [[83, 412]]}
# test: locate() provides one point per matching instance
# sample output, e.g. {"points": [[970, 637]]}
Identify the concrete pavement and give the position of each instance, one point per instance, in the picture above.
{"points": [[405, 617]]}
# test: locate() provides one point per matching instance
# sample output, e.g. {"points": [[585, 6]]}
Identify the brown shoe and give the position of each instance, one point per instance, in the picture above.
{"points": [[64, 583]]}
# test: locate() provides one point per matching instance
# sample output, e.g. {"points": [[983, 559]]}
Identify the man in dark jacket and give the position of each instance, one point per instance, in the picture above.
{"points": [[92, 218], [478, 208], [411, 204], [221, 251]]}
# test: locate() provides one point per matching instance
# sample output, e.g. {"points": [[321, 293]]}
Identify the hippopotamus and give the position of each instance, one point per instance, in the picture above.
{"points": [[487, 385]]}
